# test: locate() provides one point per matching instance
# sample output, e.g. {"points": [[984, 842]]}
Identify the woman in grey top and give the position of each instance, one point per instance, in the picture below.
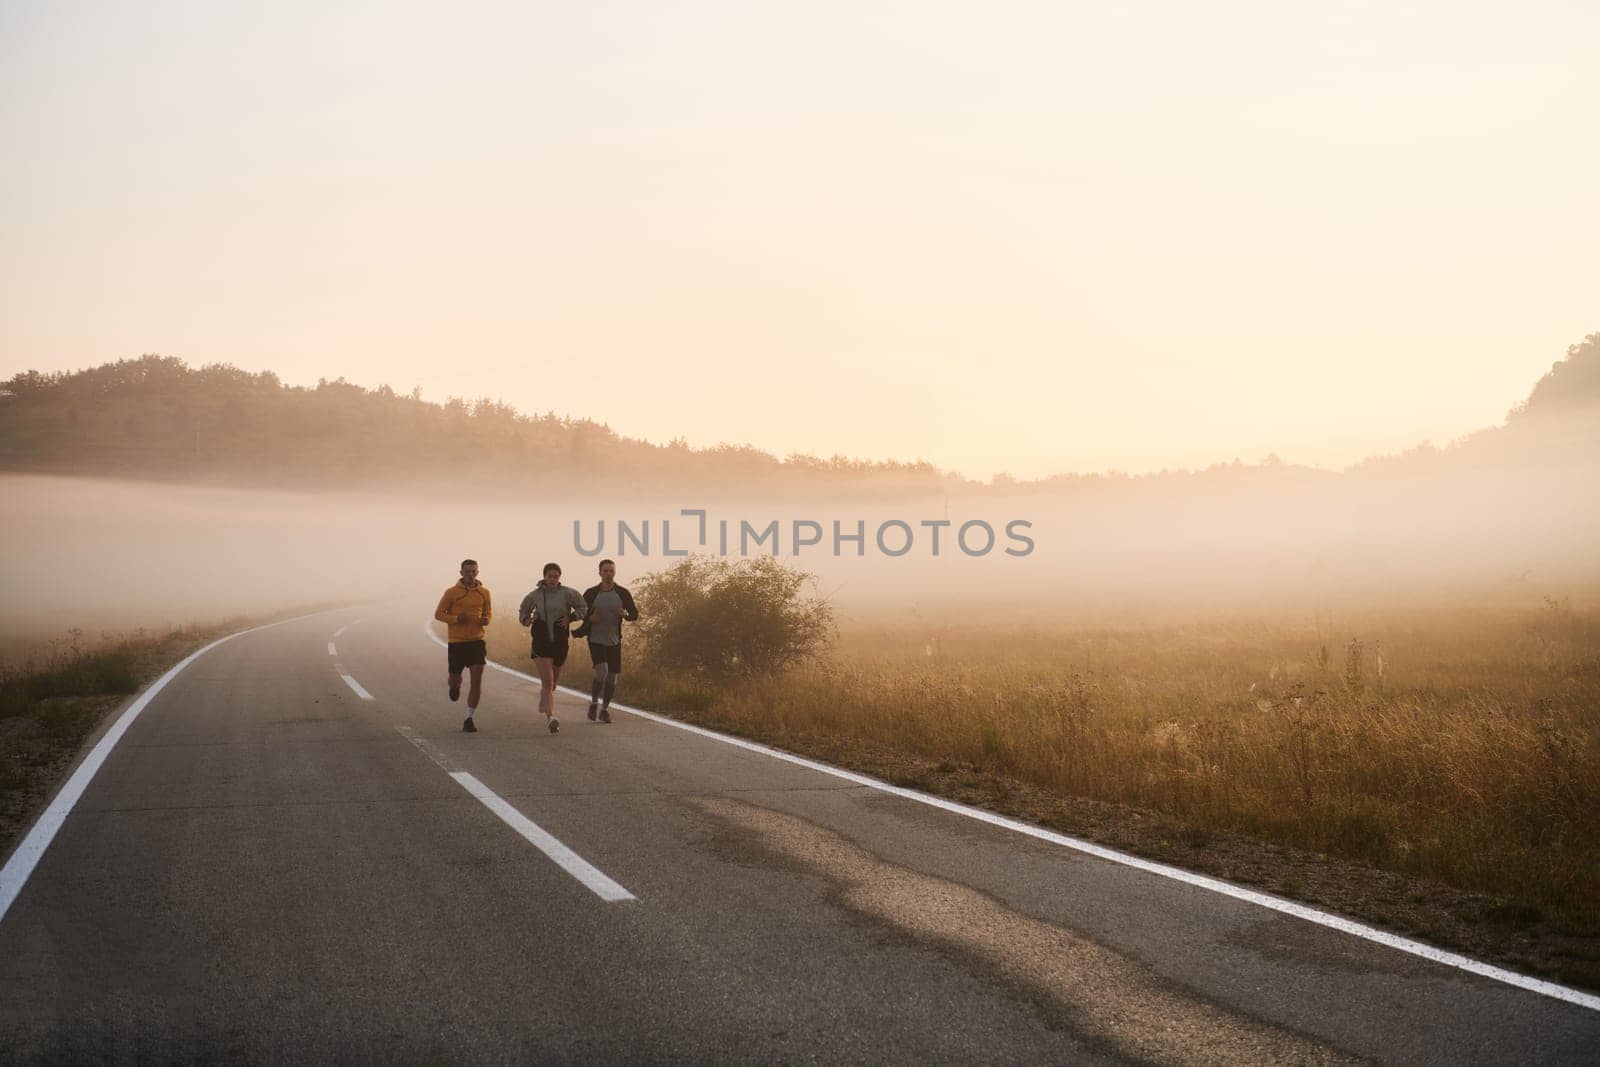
{"points": [[546, 611]]}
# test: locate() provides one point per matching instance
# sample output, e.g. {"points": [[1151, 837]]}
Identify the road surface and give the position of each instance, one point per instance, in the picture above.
{"points": [[294, 854]]}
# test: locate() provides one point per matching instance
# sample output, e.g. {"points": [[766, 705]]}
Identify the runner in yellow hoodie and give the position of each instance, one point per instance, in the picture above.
{"points": [[465, 607]]}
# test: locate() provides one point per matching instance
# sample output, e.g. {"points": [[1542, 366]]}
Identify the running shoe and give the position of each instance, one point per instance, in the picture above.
{"points": [[555, 724], [593, 707], [605, 714], [468, 726]]}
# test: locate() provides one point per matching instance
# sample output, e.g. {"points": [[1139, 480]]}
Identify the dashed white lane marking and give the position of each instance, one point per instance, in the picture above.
{"points": [[1200, 881], [569, 861], [352, 683], [331, 650], [591, 876], [28, 854], [428, 748], [340, 631]]}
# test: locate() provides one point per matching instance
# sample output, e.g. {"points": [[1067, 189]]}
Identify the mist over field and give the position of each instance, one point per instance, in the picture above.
{"points": [[112, 555], [245, 497]]}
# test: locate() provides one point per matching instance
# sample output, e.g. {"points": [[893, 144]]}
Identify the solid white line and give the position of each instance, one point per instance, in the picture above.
{"points": [[1215, 885], [352, 683], [28, 854], [331, 650], [569, 861]]}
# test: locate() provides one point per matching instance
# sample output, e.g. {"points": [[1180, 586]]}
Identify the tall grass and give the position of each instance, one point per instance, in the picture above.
{"points": [[69, 669], [1475, 760], [52, 698]]}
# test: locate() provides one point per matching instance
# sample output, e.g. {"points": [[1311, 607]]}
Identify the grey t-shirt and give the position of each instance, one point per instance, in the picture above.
{"points": [[607, 626]]}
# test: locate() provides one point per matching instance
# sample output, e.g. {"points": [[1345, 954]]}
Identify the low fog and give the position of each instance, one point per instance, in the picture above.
{"points": [[1513, 513]]}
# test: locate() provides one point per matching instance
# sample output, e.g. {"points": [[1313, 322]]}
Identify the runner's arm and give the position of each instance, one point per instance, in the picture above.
{"points": [[443, 612], [588, 612]]}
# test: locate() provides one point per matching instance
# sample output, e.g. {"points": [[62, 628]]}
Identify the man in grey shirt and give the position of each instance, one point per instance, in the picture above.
{"points": [[609, 605]]}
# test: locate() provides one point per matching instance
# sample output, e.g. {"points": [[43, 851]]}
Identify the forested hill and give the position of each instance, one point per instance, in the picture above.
{"points": [[1573, 384], [157, 418], [1557, 426]]}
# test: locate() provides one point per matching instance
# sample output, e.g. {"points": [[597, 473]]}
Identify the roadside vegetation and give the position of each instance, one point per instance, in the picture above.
{"points": [[1473, 758], [55, 698], [716, 620], [1455, 745]]}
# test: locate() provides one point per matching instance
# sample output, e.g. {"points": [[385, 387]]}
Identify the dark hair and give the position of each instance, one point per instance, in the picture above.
{"points": [[605, 561], [548, 566], [469, 563]]}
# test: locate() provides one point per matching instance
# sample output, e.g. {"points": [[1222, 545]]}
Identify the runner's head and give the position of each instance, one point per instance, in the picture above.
{"points": [[608, 571], [469, 570], [552, 575]]}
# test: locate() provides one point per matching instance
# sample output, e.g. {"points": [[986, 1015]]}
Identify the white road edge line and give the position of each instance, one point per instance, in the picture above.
{"points": [[28, 854], [591, 876], [1215, 885], [352, 683], [331, 650]]}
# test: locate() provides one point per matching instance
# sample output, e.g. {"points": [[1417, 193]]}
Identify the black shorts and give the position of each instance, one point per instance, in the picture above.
{"points": [[547, 647], [610, 655], [464, 654]]}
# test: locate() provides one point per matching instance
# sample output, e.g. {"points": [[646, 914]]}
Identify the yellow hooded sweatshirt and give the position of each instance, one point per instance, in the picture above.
{"points": [[462, 599]]}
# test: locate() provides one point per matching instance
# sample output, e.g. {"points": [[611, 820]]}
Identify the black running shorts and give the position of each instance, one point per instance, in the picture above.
{"points": [[547, 647], [610, 655], [464, 654]]}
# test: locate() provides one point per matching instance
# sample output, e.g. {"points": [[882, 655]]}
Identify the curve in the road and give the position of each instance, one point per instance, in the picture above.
{"points": [[22, 862]]}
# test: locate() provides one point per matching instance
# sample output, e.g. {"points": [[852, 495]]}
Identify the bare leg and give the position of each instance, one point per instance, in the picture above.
{"points": [[476, 691], [547, 685]]}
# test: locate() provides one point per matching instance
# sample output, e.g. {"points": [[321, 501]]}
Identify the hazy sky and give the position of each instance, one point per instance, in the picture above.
{"points": [[1033, 237]]}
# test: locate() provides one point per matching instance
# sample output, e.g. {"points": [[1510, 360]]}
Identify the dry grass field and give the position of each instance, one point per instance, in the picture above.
{"points": [[1459, 741]]}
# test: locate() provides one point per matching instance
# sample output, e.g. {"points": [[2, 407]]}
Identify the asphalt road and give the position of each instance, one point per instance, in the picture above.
{"points": [[270, 867]]}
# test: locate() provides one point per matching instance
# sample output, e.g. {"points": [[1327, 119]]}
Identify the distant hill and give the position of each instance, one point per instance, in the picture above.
{"points": [[1557, 426], [1573, 384], [156, 418]]}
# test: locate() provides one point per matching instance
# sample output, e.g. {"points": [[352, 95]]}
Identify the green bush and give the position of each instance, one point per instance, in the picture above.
{"points": [[725, 618]]}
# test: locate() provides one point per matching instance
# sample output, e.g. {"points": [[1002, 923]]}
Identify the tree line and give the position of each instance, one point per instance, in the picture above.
{"points": [[156, 417]]}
